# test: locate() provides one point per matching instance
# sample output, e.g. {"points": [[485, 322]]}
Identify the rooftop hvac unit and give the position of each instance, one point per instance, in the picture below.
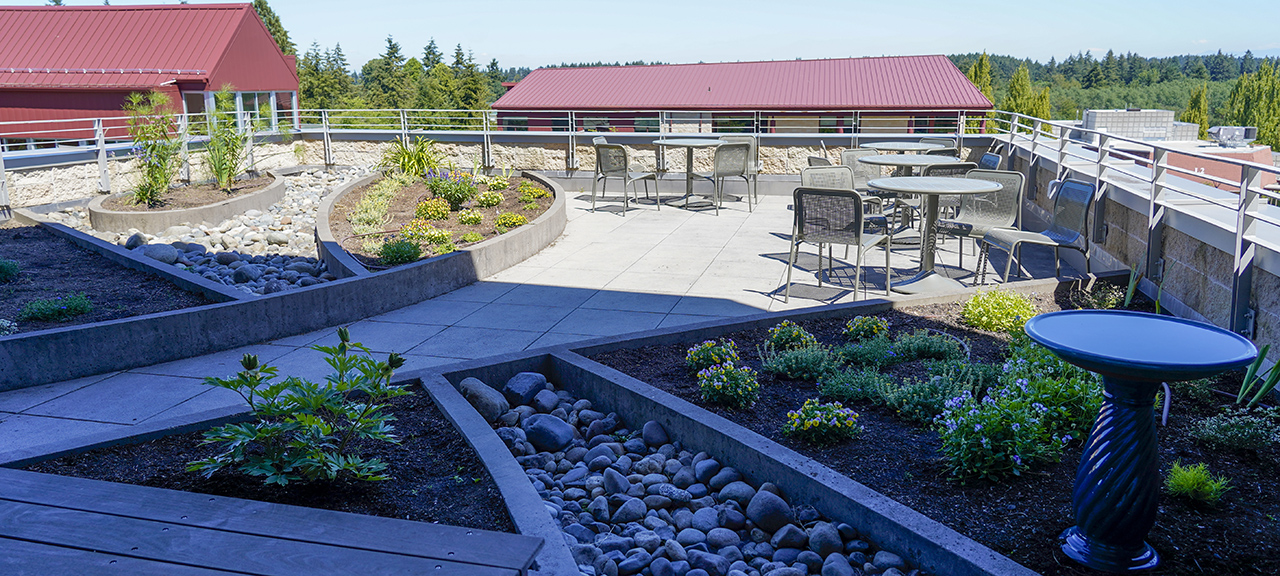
{"points": [[1233, 136]]}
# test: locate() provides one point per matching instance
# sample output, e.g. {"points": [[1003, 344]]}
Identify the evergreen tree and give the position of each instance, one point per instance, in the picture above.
{"points": [[1222, 67], [1255, 101], [1023, 99], [431, 56], [980, 74], [1197, 111], [272, 22], [1111, 69], [473, 86], [459, 60], [1094, 78], [1196, 69], [1169, 70], [437, 90], [1248, 65], [383, 79]]}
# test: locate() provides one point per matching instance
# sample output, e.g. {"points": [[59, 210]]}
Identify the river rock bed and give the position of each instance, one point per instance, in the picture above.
{"points": [[258, 252], [631, 501]]}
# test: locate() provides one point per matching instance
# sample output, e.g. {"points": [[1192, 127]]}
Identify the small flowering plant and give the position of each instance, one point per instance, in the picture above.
{"points": [[422, 231], [433, 209], [489, 198], [818, 423], [863, 327], [509, 220], [711, 352], [453, 186], [789, 336], [733, 386], [470, 218], [1000, 435], [998, 311]]}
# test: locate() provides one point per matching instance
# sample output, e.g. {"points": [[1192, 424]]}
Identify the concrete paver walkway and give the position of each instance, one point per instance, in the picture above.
{"points": [[607, 275]]}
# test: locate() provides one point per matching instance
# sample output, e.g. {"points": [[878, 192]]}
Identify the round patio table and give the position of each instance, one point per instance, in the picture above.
{"points": [[931, 187], [688, 144], [910, 161], [902, 146], [1117, 485]]}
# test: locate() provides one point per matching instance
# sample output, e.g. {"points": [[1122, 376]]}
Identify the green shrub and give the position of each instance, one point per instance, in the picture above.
{"points": [[1239, 429], [529, 206], [733, 386], [154, 132], [489, 199], [808, 364], [470, 218], [433, 209], [789, 336], [472, 237], [414, 159], [876, 352], [56, 309], [8, 327], [974, 376], [863, 327], [9, 270], [416, 230], [710, 353], [224, 151], [818, 423], [850, 385], [923, 345], [921, 400], [457, 188], [1195, 483], [530, 192], [444, 248], [998, 311], [497, 182], [304, 431], [399, 251], [1102, 296], [370, 214], [509, 220]]}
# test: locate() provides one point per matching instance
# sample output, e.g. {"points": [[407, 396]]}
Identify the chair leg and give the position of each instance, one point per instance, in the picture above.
{"points": [[820, 265], [888, 271], [719, 192], [791, 263], [1007, 263], [980, 276], [626, 199], [594, 181], [1057, 266], [857, 277]]}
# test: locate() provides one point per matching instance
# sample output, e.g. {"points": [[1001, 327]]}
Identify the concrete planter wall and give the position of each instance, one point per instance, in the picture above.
{"points": [[157, 222]]}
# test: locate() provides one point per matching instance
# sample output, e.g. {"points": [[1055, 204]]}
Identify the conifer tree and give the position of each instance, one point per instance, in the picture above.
{"points": [[1197, 111], [431, 56], [1255, 101]]}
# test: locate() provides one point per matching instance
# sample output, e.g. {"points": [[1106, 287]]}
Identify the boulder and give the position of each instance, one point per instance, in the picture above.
{"points": [[163, 253], [548, 433], [824, 539], [769, 511], [488, 402], [654, 434], [522, 387]]}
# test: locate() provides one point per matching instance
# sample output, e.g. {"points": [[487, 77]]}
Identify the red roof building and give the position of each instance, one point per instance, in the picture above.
{"points": [[64, 62], [795, 89]]}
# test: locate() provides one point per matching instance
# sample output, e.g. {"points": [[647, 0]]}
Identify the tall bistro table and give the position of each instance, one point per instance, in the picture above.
{"points": [[902, 146], [1117, 484], [931, 188], [689, 144]]}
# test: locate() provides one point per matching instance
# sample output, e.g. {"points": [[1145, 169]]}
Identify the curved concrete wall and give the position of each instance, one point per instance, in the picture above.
{"points": [[157, 222], [35, 358]]}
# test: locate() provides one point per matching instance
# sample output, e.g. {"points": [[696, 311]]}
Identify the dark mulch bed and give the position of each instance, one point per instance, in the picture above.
{"points": [[1020, 517], [436, 476], [405, 204], [53, 267], [190, 196]]}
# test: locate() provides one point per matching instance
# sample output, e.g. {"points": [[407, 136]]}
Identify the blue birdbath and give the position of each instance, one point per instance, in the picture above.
{"points": [[1118, 483]]}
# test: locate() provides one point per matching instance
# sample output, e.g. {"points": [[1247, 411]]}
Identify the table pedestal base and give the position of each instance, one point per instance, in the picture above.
{"points": [[928, 283], [1098, 556]]}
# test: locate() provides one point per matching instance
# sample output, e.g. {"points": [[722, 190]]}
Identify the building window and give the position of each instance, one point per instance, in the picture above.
{"points": [[514, 122], [835, 124], [643, 124]]}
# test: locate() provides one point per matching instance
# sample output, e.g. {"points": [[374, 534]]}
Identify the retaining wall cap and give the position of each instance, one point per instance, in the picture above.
{"points": [[157, 222]]}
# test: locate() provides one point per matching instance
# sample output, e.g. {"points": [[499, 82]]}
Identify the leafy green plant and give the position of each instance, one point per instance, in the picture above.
{"points": [[444, 247], [850, 385], [225, 149], [1239, 429], [455, 187], [808, 364], [530, 206], [973, 376], [58, 309], [818, 423], [509, 220], [710, 353], [1132, 288], [788, 335], [1258, 384], [875, 352], [997, 310], [733, 386], [370, 213], [472, 237], [499, 181], [423, 231], [860, 328], [1195, 483], [399, 251], [304, 431], [921, 400], [155, 144], [433, 209], [922, 344], [470, 218], [414, 158], [9, 271], [8, 327], [489, 198], [1102, 296], [530, 192]]}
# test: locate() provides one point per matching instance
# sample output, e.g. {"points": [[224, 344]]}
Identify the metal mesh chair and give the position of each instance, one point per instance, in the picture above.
{"points": [[1069, 228], [982, 213], [754, 165], [989, 161], [818, 161], [612, 162], [950, 143], [862, 173], [838, 178], [827, 217], [730, 161], [948, 170], [598, 140]]}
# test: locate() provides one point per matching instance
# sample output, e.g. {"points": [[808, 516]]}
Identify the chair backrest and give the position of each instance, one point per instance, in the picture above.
{"points": [[836, 177], [818, 161], [862, 172], [599, 140], [990, 161], [948, 169], [998, 209], [828, 216], [950, 143], [1071, 213], [731, 159], [753, 155], [611, 160]]}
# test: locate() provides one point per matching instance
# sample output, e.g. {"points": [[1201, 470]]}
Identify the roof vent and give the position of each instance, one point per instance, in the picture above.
{"points": [[1233, 136]]}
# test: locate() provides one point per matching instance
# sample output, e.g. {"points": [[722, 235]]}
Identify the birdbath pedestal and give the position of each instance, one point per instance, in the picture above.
{"points": [[1117, 485]]}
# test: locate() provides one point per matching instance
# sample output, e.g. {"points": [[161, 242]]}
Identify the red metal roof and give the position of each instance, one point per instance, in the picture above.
{"points": [[898, 82], [138, 47]]}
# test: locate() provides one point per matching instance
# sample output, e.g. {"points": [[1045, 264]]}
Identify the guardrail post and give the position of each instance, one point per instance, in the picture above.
{"points": [[1155, 216], [571, 158], [486, 145], [1241, 318], [328, 142], [184, 135], [5, 207], [404, 126], [248, 136], [104, 176], [960, 130]]}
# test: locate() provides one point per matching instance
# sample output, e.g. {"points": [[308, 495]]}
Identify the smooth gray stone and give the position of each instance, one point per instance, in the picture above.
{"points": [[135, 240], [824, 539], [684, 477], [163, 253], [675, 494], [682, 518], [599, 463], [706, 519], [811, 559], [545, 401], [661, 567], [634, 563], [488, 402], [723, 478], [732, 519], [656, 502], [581, 533], [769, 511], [631, 511], [789, 536], [613, 543], [886, 560], [584, 553], [548, 433], [601, 450], [522, 387], [837, 565], [705, 470], [690, 536], [599, 509], [739, 492], [648, 540], [654, 434], [785, 556], [674, 550], [635, 446], [714, 564]]}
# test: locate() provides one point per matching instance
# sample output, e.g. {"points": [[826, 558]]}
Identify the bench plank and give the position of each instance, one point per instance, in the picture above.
{"points": [[450, 543], [22, 558]]}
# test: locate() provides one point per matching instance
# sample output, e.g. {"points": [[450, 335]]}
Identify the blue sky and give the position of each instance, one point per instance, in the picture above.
{"points": [[529, 33]]}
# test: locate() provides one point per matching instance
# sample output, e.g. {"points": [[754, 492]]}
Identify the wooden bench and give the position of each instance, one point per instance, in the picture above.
{"points": [[59, 525]]}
